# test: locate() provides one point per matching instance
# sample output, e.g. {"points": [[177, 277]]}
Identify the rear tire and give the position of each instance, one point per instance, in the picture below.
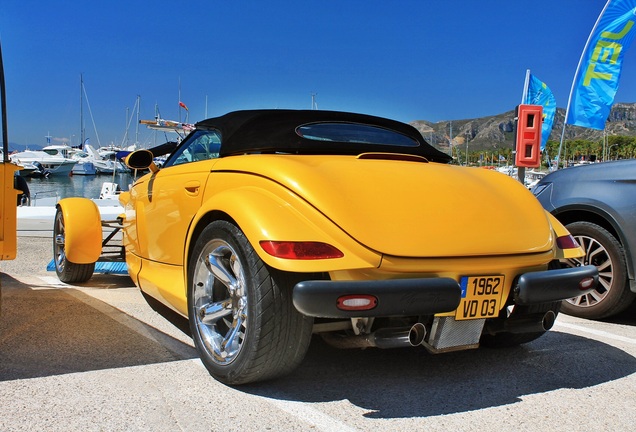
{"points": [[612, 294], [67, 271], [242, 319]]}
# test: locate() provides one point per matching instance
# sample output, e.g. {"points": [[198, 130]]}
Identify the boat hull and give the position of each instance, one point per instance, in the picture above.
{"points": [[45, 163], [59, 169], [84, 168]]}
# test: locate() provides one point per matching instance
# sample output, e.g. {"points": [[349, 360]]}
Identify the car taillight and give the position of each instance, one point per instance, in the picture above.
{"points": [[586, 283], [356, 302], [300, 250], [567, 242]]}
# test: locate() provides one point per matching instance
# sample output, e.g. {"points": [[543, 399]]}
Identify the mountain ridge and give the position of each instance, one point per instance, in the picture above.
{"points": [[496, 131]]}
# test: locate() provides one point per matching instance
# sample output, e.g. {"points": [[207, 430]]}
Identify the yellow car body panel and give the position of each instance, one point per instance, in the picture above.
{"points": [[257, 205], [282, 198], [266, 211], [165, 203], [507, 266], [164, 282], [444, 210], [83, 230], [133, 263]]}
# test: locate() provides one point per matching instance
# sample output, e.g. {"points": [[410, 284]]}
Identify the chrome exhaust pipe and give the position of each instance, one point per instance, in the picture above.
{"points": [[531, 323], [383, 338], [399, 337]]}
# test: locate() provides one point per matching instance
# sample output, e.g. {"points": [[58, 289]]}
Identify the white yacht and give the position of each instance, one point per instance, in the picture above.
{"points": [[105, 160], [53, 159]]}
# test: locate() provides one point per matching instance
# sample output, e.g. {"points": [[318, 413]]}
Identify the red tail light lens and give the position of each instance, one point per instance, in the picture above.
{"points": [[586, 283], [357, 302], [300, 250], [567, 242]]}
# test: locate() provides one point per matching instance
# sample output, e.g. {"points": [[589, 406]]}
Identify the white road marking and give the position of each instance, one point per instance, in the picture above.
{"points": [[309, 414], [53, 281], [304, 412], [599, 333]]}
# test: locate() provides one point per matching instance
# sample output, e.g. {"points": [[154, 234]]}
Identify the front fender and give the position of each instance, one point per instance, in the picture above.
{"points": [[278, 214], [82, 230]]}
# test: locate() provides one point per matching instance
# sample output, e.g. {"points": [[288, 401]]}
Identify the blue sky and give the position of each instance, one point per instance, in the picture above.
{"points": [[403, 59]]}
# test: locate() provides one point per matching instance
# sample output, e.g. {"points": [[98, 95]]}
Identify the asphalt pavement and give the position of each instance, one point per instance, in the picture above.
{"points": [[97, 357]]}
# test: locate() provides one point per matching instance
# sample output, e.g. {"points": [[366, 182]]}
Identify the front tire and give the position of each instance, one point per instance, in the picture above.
{"points": [[67, 271], [612, 294], [242, 319]]}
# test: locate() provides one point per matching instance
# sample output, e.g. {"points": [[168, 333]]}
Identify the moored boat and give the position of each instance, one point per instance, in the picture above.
{"points": [[50, 159], [84, 167], [105, 160]]}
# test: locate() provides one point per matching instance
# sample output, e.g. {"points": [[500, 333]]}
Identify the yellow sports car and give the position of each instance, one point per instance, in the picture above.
{"points": [[267, 226]]}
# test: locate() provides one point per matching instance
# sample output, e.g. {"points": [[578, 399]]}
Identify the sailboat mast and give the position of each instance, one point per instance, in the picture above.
{"points": [[126, 125], [81, 145], [137, 127]]}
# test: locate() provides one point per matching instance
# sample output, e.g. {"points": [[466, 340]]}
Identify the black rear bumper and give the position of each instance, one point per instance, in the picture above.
{"points": [[395, 297], [428, 296], [553, 285]]}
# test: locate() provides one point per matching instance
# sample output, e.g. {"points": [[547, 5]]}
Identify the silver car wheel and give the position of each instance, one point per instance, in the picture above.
{"points": [[597, 255], [59, 241], [220, 301]]}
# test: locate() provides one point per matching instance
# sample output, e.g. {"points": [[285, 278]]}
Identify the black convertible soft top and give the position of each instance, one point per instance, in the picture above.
{"points": [[268, 131]]}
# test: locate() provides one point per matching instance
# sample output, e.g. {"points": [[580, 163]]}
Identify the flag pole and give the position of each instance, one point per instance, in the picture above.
{"points": [[521, 171], [526, 85], [576, 74]]}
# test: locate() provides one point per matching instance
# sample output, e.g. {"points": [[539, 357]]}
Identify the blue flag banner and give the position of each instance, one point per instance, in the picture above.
{"points": [[539, 94], [596, 79]]}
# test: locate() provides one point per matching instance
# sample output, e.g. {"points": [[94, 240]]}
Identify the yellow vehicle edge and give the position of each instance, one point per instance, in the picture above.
{"points": [[83, 230]]}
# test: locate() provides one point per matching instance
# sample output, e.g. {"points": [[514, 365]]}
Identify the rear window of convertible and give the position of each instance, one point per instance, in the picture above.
{"points": [[354, 133]]}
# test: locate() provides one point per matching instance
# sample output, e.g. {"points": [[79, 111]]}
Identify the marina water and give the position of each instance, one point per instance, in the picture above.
{"points": [[75, 186]]}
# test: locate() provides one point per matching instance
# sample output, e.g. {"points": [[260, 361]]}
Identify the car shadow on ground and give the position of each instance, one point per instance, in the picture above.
{"points": [[627, 317], [114, 281], [50, 331], [410, 382], [103, 280]]}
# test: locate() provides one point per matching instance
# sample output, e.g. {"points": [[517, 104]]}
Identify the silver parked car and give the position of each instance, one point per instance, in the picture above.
{"points": [[597, 204]]}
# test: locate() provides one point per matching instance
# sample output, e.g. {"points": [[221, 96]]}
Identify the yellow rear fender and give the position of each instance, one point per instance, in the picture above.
{"points": [[277, 214], [561, 232], [82, 230]]}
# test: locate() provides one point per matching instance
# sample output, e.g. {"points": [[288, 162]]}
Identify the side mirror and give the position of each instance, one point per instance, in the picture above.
{"points": [[141, 159]]}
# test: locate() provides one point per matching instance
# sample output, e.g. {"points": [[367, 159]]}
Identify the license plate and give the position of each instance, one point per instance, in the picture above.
{"points": [[481, 297]]}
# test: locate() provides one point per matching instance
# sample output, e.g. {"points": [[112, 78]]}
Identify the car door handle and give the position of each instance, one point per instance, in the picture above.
{"points": [[192, 188]]}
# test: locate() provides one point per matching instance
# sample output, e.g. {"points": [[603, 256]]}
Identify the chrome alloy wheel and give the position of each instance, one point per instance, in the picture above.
{"points": [[597, 255], [220, 301], [59, 242]]}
